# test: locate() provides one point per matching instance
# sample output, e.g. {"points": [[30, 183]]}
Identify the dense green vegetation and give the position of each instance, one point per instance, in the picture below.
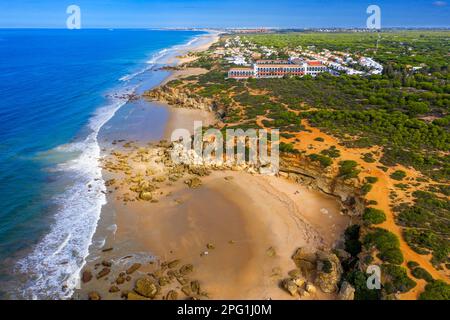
{"points": [[358, 280], [396, 48], [427, 227], [386, 243], [332, 152], [352, 243], [395, 279], [420, 273], [405, 110], [398, 175], [410, 142], [373, 216], [386, 110], [436, 290], [323, 160], [348, 169]]}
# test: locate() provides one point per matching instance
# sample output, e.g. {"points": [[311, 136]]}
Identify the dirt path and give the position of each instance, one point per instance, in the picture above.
{"points": [[305, 140]]}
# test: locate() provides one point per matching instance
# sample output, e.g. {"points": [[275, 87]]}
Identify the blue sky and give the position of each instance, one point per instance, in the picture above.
{"points": [[223, 13]]}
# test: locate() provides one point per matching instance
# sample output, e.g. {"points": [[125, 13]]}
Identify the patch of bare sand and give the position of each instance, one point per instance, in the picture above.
{"points": [[185, 118], [184, 73], [242, 218]]}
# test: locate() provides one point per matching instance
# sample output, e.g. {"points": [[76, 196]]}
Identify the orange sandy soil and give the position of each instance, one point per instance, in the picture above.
{"points": [[380, 193]]}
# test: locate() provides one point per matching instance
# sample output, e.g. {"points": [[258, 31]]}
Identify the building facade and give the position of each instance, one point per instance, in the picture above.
{"points": [[277, 69]]}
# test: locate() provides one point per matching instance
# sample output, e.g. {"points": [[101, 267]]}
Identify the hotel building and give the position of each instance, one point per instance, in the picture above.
{"points": [[278, 69]]}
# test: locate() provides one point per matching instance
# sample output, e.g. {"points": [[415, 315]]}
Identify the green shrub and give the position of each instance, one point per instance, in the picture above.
{"points": [[347, 169], [368, 157], [366, 188], [358, 280], [287, 148], [412, 264], [319, 139], [386, 243], [420, 273], [374, 216], [371, 180], [323, 160], [436, 290], [398, 175], [332, 152], [352, 243], [395, 279]]}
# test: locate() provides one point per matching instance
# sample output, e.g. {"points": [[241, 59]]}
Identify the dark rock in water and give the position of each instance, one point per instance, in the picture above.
{"points": [[146, 287], [106, 263], [114, 289], [186, 269], [105, 271], [133, 268], [87, 276], [172, 295], [94, 296]]}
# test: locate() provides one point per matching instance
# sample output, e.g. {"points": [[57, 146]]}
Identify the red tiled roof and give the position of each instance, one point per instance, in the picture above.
{"points": [[315, 63]]}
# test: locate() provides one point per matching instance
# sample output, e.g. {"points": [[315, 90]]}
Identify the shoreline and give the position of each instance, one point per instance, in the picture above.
{"points": [[99, 237], [244, 244]]}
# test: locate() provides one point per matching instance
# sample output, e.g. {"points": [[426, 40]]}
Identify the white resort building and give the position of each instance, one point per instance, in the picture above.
{"points": [[278, 69]]}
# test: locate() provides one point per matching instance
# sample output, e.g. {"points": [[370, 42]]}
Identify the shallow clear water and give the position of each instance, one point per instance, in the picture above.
{"points": [[58, 89]]}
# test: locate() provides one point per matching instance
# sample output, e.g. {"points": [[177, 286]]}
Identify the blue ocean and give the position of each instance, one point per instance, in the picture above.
{"points": [[58, 88]]}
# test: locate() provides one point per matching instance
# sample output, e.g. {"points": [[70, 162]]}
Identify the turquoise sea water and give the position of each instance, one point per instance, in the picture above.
{"points": [[58, 88]]}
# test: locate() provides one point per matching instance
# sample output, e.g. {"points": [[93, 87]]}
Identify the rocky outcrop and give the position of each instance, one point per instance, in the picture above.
{"points": [[347, 292], [178, 98], [146, 288], [329, 271], [133, 268], [301, 170], [87, 276]]}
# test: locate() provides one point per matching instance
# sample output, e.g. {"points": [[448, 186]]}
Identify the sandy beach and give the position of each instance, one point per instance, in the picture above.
{"points": [[236, 232]]}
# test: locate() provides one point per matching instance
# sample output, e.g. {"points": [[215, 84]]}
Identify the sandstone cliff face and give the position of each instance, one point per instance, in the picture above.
{"points": [[302, 170], [179, 98]]}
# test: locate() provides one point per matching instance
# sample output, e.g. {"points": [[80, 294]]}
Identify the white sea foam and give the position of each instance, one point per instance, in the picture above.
{"points": [[159, 56], [150, 64], [56, 261]]}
